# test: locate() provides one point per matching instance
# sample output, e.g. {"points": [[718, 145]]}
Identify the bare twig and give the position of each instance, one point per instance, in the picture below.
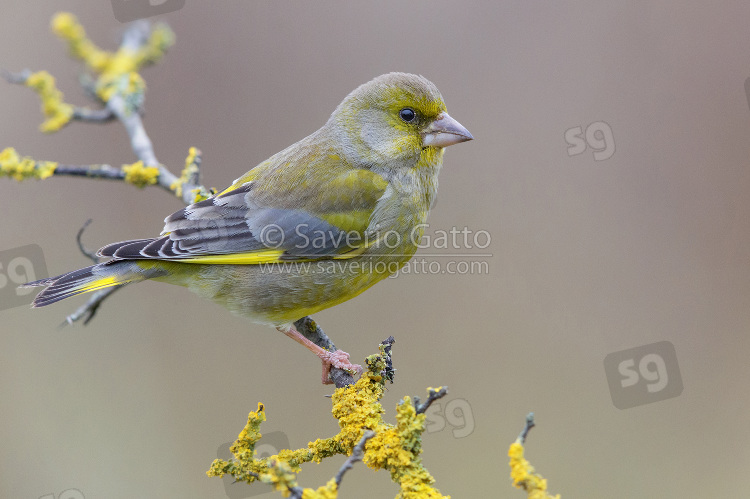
{"points": [[433, 394], [93, 115], [90, 254], [357, 454], [139, 140], [88, 310], [106, 172], [528, 426], [18, 78]]}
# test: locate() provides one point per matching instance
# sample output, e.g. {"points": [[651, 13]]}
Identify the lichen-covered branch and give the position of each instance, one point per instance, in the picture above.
{"points": [[120, 88], [522, 473], [358, 453], [393, 447]]}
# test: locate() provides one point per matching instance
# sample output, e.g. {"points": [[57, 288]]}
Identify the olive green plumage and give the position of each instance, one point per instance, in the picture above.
{"points": [[312, 226]]}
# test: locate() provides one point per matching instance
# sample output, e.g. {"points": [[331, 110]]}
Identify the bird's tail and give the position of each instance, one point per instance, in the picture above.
{"points": [[94, 278]]}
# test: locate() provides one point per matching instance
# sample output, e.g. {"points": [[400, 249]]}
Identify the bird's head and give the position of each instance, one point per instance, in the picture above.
{"points": [[393, 119]]}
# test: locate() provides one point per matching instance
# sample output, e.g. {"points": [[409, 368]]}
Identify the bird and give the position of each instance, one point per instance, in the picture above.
{"points": [[314, 225]]}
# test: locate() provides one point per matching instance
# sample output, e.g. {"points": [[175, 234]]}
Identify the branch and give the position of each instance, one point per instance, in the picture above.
{"points": [[357, 455], [18, 78], [389, 373], [88, 310], [93, 115], [364, 436], [310, 330], [105, 172], [90, 254], [121, 89], [528, 426], [433, 394], [522, 473]]}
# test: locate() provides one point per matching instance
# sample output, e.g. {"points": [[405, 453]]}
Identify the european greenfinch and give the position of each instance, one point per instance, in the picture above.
{"points": [[312, 226]]}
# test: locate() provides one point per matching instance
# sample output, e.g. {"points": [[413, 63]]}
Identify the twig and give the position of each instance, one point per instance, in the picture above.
{"points": [[433, 394], [89, 86], [126, 109], [529, 425], [90, 254], [93, 115], [106, 172], [135, 37], [310, 330], [88, 310], [18, 78], [139, 140], [357, 454], [389, 372]]}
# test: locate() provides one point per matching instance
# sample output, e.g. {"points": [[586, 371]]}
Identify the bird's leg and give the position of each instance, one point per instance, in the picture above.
{"points": [[339, 358]]}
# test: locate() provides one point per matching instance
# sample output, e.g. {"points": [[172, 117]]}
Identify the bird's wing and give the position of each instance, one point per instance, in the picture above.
{"points": [[316, 206]]}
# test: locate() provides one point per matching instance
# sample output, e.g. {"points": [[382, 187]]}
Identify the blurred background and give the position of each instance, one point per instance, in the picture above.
{"points": [[611, 170]]}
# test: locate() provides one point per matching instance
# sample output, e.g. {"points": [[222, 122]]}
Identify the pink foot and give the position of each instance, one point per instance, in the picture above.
{"points": [[339, 359]]}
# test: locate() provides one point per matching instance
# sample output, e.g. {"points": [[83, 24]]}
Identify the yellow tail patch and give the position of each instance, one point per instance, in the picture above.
{"points": [[104, 282]]}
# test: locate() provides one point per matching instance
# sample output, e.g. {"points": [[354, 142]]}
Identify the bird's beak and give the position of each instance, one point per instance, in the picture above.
{"points": [[444, 131]]}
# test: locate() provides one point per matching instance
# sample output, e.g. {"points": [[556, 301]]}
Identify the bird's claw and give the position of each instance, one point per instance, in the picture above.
{"points": [[340, 360]]}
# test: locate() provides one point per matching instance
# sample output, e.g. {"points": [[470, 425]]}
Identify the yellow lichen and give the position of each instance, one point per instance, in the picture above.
{"points": [[328, 491], [118, 71], [280, 476], [67, 27], [58, 112], [190, 171], [139, 175], [200, 193], [523, 475], [160, 40], [12, 165], [130, 86], [357, 407]]}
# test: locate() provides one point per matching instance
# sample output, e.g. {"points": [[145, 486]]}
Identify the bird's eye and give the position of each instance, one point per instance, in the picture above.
{"points": [[408, 115]]}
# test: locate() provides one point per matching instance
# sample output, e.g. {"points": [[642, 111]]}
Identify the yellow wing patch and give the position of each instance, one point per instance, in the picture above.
{"points": [[257, 258], [251, 258]]}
